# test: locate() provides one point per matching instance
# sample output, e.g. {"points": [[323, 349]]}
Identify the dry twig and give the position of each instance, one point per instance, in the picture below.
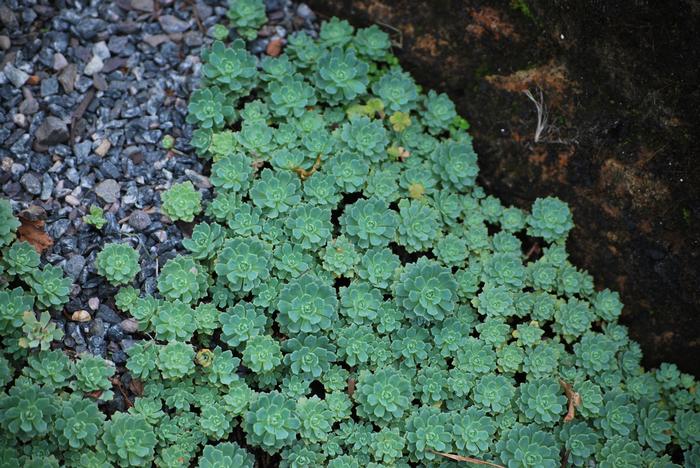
{"points": [[574, 400], [476, 461]]}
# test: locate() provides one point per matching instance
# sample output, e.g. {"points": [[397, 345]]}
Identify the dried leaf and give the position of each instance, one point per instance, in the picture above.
{"points": [[476, 461], [117, 383], [274, 48], [32, 231], [574, 400], [351, 386], [136, 387]]}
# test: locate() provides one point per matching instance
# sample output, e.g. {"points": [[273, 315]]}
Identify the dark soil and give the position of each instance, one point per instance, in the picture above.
{"points": [[620, 81]]}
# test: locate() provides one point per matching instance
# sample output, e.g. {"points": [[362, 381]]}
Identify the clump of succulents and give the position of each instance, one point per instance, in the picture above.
{"points": [[247, 16], [182, 201], [95, 217], [349, 297], [8, 223], [118, 263]]}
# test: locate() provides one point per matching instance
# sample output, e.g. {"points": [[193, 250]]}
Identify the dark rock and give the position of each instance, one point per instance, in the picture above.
{"points": [[31, 183], [51, 132], [73, 331], [97, 327], [108, 315], [117, 44], [47, 186], [58, 228], [113, 63], [40, 162], [128, 27], [96, 345], [88, 28], [74, 266], [115, 333], [8, 18], [109, 169]]}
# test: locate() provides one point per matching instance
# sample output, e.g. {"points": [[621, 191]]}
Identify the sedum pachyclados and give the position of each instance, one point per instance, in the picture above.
{"points": [[350, 297]]}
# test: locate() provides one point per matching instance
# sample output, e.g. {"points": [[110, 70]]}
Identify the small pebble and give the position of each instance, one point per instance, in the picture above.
{"points": [[94, 66], [108, 190], [20, 120], [31, 183], [71, 200], [129, 325], [172, 24], [59, 61], [5, 43], [94, 303], [101, 50], [81, 316], [139, 220], [103, 147]]}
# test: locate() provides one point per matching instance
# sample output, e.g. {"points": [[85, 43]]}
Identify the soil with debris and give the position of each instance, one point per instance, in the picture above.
{"points": [[619, 83], [87, 94]]}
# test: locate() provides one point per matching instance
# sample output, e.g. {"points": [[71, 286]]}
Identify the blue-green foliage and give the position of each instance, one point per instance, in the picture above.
{"points": [[350, 297]]}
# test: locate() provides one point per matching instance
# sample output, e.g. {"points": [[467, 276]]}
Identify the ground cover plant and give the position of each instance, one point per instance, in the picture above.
{"points": [[349, 297]]}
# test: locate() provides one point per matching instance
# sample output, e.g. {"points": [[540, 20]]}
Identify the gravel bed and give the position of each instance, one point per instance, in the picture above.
{"points": [[87, 92]]}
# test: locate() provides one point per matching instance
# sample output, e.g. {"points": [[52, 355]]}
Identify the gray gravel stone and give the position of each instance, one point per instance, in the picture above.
{"points": [[59, 61], [129, 325], [303, 11], [172, 24], [108, 315], [142, 5], [29, 105], [139, 220], [47, 187], [94, 65], [90, 27], [67, 77], [31, 183], [108, 190], [59, 228], [49, 86], [101, 50], [52, 131], [5, 43], [82, 150], [74, 266], [16, 76], [8, 18]]}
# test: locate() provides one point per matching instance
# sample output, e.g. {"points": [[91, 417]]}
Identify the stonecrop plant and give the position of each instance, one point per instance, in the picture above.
{"points": [[349, 297]]}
